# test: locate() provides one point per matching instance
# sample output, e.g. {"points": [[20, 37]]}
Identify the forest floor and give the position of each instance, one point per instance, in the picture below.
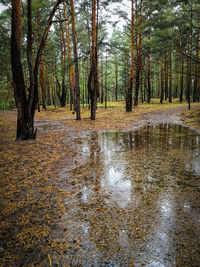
{"points": [[32, 196], [115, 118]]}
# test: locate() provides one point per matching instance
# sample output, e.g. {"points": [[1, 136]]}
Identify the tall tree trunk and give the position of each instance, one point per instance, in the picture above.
{"points": [[71, 69], [196, 78], [63, 63], [30, 45], [129, 95], [166, 77], [170, 76], [189, 62], [149, 73], [106, 83], [188, 74], [25, 107], [77, 86], [152, 87], [48, 86], [52, 90], [158, 86], [24, 121], [42, 85], [139, 56], [102, 80], [182, 79], [96, 48], [145, 89], [93, 81], [162, 82], [141, 87], [116, 79], [198, 88], [41, 68]]}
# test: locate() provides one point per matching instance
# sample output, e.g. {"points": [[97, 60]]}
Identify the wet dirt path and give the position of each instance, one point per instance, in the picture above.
{"points": [[173, 115]]}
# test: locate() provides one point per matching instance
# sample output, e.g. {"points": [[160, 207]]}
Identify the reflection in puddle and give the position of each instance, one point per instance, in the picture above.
{"points": [[117, 186], [136, 199]]}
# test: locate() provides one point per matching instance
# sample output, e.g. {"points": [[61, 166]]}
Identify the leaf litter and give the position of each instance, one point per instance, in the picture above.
{"points": [[81, 198]]}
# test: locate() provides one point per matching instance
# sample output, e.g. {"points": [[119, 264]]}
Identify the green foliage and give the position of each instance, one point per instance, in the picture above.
{"points": [[167, 22]]}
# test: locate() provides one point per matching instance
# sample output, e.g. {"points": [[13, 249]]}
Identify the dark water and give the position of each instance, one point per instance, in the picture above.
{"points": [[136, 199]]}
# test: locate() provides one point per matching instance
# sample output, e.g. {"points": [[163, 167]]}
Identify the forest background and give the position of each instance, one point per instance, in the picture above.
{"points": [[98, 51]]}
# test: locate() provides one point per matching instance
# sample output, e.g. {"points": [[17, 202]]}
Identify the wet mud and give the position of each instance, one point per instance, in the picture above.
{"points": [[135, 199]]}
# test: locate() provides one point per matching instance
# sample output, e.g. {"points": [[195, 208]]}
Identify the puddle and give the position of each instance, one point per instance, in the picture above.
{"points": [[50, 125], [136, 199]]}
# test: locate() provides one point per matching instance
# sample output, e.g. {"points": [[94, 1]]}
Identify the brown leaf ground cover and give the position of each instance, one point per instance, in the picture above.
{"points": [[115, 118], [32, 200]]}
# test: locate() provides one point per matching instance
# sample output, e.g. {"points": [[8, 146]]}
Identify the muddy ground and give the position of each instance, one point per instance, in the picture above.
{"points": [[45, 185]]}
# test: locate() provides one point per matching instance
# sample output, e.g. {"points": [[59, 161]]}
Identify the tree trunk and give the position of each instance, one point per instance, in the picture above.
{"points": [[25, 107], [102, 91], [42, 83], [162, 82], [63, 64], [129, 95], [139, 56], [188, 74], [77, 87], [25, 128], [41, 68], [170, 76], [48, 86], [93, 79], [149, 74], [141, 87], [71, 69], [116, 79], [166, 78], [182, 79], [189, 62], [196, 78], [106, 83], [52, 91], [30, 46]]}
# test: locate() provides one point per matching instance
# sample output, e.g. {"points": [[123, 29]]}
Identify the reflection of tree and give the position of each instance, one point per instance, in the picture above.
{"points": [[153, 160]]}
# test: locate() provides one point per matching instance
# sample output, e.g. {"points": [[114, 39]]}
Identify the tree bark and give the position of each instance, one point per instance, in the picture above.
{"points": [[189, 73], [77, 86], [129, 95], [170, 77], [162, 82], [166, 77], [63, 64], [52, 91], [196, 78], [116, 79], [139, 55], [182, 79], [93, 79], [149, 73], [48, 86], [24, 121], [106, 83], [25, 106], [41, 68], [71, 69], [102, 80]]}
